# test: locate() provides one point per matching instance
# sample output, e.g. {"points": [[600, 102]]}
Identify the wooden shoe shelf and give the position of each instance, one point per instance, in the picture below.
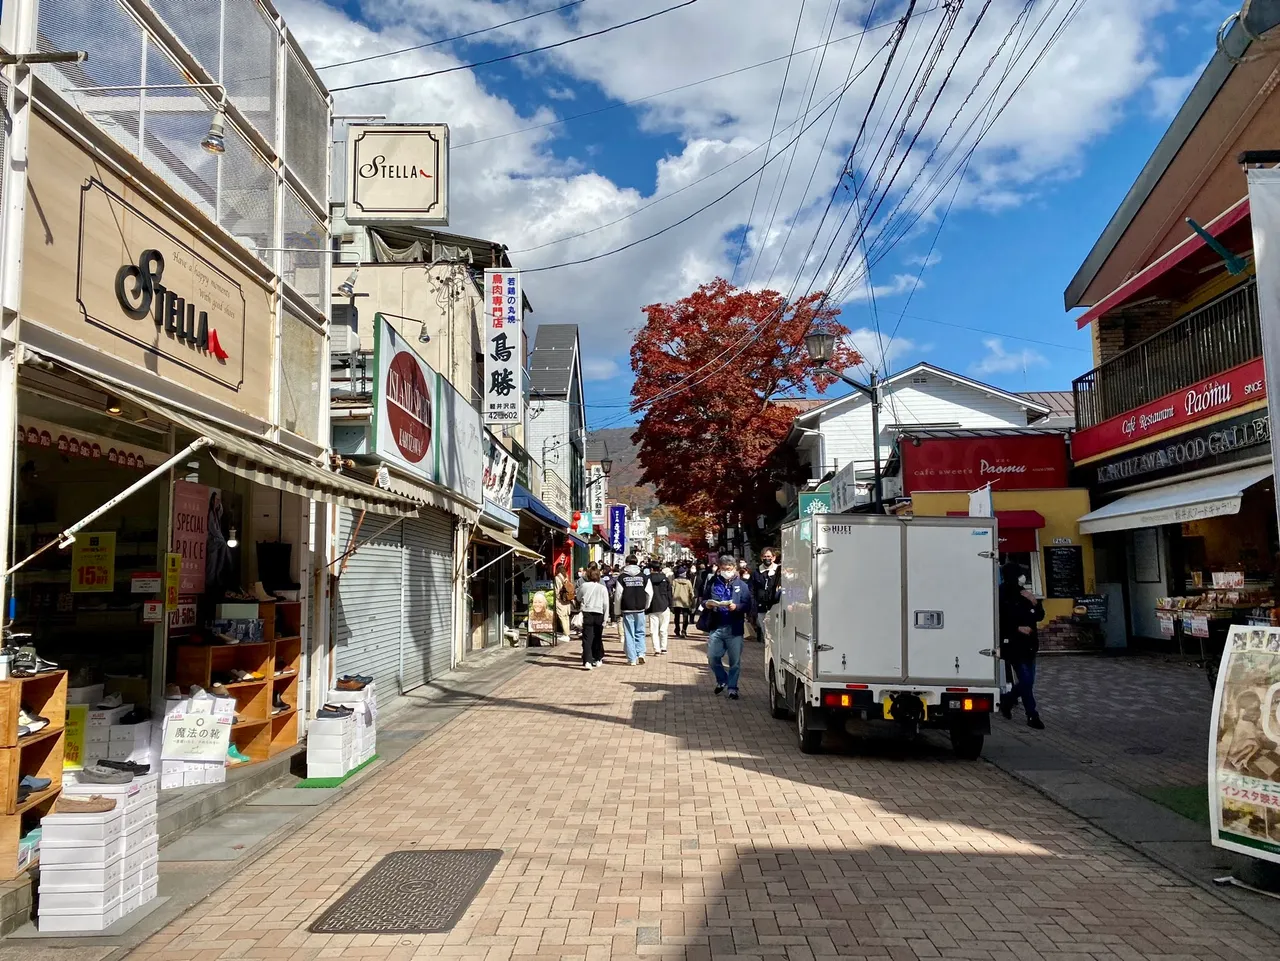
{"points": [[258, 734], [38, 754]]}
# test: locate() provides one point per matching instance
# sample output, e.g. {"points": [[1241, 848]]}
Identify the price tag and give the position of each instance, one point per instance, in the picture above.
{"points": [[93, 562], [172, 580], [73, 749]]}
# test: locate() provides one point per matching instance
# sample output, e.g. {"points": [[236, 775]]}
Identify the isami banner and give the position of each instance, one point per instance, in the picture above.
{"points": [[503, 352]]}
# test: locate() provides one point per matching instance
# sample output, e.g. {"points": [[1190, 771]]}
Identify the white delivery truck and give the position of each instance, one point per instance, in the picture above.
{"points": [[886, 620]]}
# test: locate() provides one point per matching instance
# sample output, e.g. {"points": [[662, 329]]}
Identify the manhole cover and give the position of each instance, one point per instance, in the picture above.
{"points": [[410, 892], [1144, 750]]}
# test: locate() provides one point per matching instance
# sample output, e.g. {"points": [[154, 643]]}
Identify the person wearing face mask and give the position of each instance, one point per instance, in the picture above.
{"points": [[1020, 615], [726, 602], [764, 589]]}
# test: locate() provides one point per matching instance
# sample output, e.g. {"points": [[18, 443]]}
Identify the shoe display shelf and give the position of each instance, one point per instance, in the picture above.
{"points": [[39, 755], [287, 655]]}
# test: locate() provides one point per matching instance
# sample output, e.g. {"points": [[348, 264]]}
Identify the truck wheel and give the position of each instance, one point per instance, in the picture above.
{"points": [[778, 707], [967, 745], [810, 740]]}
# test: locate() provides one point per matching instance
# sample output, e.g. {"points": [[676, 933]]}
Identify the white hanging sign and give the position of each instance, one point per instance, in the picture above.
{"points": [[503, 360]]}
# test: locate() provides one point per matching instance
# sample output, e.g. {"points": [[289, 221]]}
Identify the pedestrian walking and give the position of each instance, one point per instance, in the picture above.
{"points": [[564, 599], [701, 578], [659, 610], [726, 601], [1020, 615], [682, 596], [634, 594], [764, 589], [594, 601]]}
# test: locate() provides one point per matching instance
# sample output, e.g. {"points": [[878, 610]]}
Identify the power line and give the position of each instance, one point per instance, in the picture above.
{"points": [[461, 36], [513, 56]]}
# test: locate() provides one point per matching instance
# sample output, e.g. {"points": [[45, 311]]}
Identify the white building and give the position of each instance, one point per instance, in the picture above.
{"points": [[556, 419], [827, 438]]}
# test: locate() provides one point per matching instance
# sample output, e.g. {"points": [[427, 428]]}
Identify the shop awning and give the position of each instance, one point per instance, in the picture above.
{"points": [[522, 500], [1190, 500], [579, 541], [500, 538], [1017, 530], [276, 467]]}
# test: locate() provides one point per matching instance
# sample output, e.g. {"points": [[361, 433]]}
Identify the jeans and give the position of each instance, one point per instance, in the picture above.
{"points": [[723, 641], [681, 617], [592, 637], [658, 624], [633, 639], [1025, 672]]}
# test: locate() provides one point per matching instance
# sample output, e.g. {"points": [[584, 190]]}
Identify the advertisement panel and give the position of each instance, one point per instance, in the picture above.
{"points": [[191, 533], [398, 172], [1222, 392], [1028, 462], [503, 363], [458, 445], [597, 489], [542, 611], [500, 469], [1244, 745], [93, 562], [618, 528], [404, 402]]}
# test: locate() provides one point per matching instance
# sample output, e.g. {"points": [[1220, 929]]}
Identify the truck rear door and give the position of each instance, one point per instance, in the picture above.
{"points": [[951, 608], [795, 610], [858, 596]]}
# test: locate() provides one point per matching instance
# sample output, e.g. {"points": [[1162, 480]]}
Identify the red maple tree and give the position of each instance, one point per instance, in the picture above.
{"points": [[708, 368]]}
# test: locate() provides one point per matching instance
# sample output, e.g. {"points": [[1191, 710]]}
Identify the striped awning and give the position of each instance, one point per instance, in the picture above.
{"points": [[262, 462]]}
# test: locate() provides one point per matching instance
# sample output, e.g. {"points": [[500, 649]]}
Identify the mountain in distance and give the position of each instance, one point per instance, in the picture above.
{"points": [[624, 481]]}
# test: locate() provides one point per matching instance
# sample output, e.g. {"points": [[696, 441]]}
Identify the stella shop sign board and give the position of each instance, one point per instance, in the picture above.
{"points": [[398, 172], [1214, 395], [1027, 462], [405, 396]]}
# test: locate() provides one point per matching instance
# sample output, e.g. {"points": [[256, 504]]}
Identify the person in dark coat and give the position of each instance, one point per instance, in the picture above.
{"points": [[1020, 615], [764, 588]]}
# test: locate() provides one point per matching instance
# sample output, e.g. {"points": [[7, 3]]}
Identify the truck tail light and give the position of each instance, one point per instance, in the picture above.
{"points": [[970, 704], [836, 699]]}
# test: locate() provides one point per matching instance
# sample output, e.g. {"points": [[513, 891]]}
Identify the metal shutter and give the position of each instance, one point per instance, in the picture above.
{"points": [[427, 641], [367, 604]]}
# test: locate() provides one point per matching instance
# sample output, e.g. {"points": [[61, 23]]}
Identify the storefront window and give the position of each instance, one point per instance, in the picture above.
{"points": [[302, 345]]}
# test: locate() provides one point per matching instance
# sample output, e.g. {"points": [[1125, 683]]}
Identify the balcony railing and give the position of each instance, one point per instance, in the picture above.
{"points": [[1218, 336]]}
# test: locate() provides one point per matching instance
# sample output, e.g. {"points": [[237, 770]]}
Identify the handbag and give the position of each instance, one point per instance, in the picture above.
{"points": [[575, 622], [704, 619]]}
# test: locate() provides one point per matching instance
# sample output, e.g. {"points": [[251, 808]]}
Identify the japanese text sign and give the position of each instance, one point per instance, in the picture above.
{"points": [[196, 737], [191, 532], [618, 528], [503, 360], [93, 562]]}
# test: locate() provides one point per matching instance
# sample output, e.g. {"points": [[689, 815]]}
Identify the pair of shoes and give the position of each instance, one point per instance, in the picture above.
{"points": [[94, 804], [719, 689], [588, 665], [279, 705], [350, 684], [98, 773], [260, 593], [133, 767], [109, 702], [34, 784], [1035, 722], [172, 691], [362, 678], [597, 663], [219, 690], [241, 676], [334, 710], [30, 722], [236, 756]]}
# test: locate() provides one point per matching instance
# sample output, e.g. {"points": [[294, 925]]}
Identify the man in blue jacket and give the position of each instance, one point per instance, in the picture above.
{"points": [[727, 599]]}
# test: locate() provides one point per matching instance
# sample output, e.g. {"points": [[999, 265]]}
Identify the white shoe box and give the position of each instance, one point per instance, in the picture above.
{"points": [[327, 756], [88, 828], [128, 751], [78, 853], [69, 877], [136, 856], [134, 735], [150, 890], [326, 769], [330, 727], [106, 718], [142, 790], [85, 695], [139, 829], [61, 919]]}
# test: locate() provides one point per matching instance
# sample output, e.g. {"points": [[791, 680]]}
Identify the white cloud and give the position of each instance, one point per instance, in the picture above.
{"points": [[561, 93], [924, 261], [999, 360], [1168, 93], [600, 368], [876, 348], [518, 192]]}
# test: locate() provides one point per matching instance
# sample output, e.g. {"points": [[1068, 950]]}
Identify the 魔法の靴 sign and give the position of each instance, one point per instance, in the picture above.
{"points": [[1244, 745], [398, 172], [196, 737], [503, 348], [404, 392]]}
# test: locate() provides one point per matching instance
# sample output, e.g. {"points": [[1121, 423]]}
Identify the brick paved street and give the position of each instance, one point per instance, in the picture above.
{"points": [[642, 817]]}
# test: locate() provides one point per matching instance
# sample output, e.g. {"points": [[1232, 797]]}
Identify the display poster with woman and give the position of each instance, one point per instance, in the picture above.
{"points": [[1244, 745]]}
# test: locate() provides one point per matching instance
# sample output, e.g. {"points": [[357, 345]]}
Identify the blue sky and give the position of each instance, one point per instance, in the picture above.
{"points": [[1036, 194]]}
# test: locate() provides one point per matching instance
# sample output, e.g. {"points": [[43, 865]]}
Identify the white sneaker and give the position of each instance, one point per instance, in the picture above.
{"points": [[640, 659], [588, 667]]}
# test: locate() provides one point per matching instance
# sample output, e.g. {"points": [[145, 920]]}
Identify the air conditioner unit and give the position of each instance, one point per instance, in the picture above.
{"points": [[344, 329]]}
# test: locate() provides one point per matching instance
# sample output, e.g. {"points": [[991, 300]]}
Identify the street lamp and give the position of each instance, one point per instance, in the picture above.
{"points": [[606, 468], [821, 343]]}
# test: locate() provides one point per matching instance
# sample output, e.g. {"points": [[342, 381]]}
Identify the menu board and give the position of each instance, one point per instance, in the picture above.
{"points": [[1064, 571], [1091, 608]]}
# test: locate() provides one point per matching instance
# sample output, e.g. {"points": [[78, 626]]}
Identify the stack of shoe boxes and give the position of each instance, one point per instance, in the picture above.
{"points": [[97, 732], [175, 773], [139, 839], [331, 746], [365, 705], [130, 742], [81, 868]]}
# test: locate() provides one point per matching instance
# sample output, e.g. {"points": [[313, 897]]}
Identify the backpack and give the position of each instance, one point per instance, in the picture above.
{"points": [[567, 592]]}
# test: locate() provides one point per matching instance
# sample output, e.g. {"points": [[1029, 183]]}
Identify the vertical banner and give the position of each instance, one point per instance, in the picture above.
{"points": [[1264, 211], [172, 581], [503, 360], [980, 503], [618, 528], [1244, 745], [191, 532], [405, 394]]}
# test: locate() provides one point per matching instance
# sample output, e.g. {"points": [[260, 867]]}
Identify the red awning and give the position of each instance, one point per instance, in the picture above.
{"points": [[1174, 258], [1017, 530]]}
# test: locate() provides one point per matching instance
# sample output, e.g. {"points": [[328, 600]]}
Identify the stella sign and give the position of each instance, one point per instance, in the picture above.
{"points": [[398, 173]]}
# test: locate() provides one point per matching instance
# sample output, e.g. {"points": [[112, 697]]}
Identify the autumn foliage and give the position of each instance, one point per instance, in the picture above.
{"points": [[708, 368]]}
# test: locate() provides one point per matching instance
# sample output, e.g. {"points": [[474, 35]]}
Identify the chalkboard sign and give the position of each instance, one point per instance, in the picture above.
{"points": [[1091, 608], [1064, 571]]}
